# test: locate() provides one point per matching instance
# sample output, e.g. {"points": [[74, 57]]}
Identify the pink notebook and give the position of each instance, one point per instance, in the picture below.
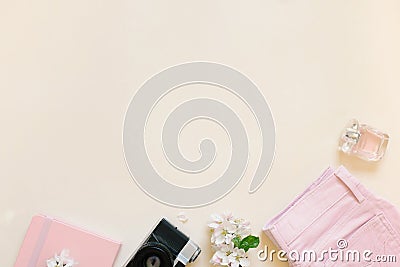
{"points": [[47, 237]]}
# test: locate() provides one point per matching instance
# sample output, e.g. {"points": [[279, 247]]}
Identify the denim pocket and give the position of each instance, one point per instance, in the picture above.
{"points": [[375, 243]]}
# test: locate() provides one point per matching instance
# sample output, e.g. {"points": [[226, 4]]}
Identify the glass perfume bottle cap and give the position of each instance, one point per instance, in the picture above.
{"points": [[350, 136]]}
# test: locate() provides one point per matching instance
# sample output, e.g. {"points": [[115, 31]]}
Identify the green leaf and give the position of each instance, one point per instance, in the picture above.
{"points": [[249, 242], [236, 241]]}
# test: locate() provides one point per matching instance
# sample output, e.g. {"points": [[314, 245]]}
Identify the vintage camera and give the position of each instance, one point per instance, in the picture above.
{"points": [[166, 246]]}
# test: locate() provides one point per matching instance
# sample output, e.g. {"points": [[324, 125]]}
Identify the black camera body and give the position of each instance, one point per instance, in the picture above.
{"points": [[166, 246]]}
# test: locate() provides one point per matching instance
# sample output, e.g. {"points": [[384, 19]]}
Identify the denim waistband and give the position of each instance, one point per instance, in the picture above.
{"points": [[320, 196]]}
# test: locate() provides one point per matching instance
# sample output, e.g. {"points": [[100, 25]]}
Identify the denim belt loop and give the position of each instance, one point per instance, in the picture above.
{"points": [[350, 182]]}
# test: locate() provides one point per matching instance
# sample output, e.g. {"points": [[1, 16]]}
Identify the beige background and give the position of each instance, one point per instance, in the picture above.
{"points": [[68, 70]]}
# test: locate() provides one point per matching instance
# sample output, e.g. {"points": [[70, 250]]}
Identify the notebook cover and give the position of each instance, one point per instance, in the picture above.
{"points": [[47, 237]]}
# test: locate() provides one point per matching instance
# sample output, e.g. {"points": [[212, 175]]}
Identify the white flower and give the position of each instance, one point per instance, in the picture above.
{"points": [[61, 260], [228, 255], [221, 255], [224, 228], [238, 257], [242, 227]]}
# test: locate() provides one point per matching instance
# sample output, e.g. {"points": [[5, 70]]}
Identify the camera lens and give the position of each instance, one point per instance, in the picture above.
{"points": [[153, 261], [152, 255]]}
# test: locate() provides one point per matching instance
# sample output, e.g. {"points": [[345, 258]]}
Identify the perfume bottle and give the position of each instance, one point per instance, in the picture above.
{"points": [[363, 141]]}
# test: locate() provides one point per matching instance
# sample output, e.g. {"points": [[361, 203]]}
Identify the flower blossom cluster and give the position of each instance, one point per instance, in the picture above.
{"points": [[61, 260], [226, 233]]}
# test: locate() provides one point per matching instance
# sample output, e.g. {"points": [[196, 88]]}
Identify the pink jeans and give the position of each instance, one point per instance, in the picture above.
{"points": [[338, 222]]}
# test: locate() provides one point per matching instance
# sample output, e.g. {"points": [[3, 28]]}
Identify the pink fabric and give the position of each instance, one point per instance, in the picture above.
{"points": [[336, 206]]}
